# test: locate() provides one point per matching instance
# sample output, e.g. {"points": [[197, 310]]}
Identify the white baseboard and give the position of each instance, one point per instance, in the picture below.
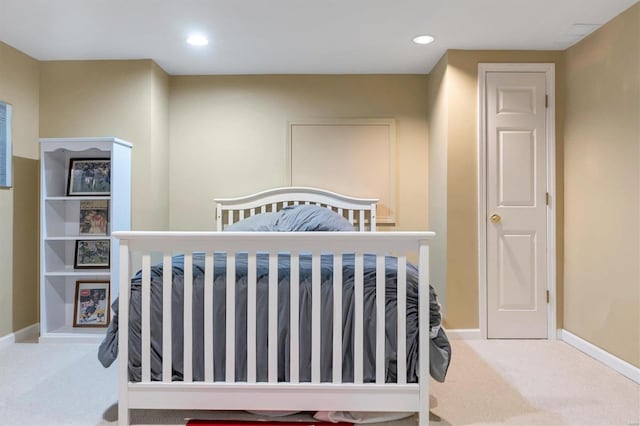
{"points": [[623, 367], [27, 333], [463, 333]]}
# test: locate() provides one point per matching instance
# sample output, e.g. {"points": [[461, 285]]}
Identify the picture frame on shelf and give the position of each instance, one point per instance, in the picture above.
{"points": [[91, 306], [94, 217], [92, 254], [89, 177]]}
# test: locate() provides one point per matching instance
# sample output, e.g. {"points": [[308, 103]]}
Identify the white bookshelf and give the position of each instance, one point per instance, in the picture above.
{"points": [[60, 229]]}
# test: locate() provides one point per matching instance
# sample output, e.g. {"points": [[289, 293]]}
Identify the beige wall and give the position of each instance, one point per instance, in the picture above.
{"points": [[159, 147], [602, 188], [19, 205], [461, 91], [125, 99], [25, 242], [229, 135], [438, 119]]}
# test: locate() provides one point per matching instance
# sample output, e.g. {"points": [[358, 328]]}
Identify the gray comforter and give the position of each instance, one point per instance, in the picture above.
{"points": [[440, 350], [302, 218]]}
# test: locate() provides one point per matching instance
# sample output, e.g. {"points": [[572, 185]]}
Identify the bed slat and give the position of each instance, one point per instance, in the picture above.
{"points": [[167, 370], [423, 338], [358, 293], [315, 318], [230, 364], [209, 273], [188, 318], [273, 318], [124, 259], [294, 330], [337, 319], [402, 319], [251, 318], [146, 318], [380, 319]]}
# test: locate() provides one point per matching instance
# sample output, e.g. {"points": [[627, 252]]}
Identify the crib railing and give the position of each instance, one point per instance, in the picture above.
{"points": [[360, 212], [273, 395]]}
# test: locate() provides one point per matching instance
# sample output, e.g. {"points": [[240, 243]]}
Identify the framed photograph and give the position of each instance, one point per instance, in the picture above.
{"points": [[5, 145], [91, 306], [94, 217], [92, 254], [89, 176]]}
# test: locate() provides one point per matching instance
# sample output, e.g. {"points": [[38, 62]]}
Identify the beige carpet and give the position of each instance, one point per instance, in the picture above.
{"points": [[518, 382], [489, 383]]}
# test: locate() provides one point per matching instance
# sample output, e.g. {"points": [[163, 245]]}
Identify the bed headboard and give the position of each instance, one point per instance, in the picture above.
{"points": [[360, 212]]}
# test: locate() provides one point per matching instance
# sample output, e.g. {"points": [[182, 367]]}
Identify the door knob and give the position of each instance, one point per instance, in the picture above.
{"points": [[495, 218]]}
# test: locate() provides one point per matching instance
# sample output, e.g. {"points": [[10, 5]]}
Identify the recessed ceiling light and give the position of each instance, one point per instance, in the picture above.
{"points": [[197, 40], [423, 39]]}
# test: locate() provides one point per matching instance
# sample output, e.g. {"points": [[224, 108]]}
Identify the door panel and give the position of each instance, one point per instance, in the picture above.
{"points": [[516, 194], [516, 157], [516, 282]]}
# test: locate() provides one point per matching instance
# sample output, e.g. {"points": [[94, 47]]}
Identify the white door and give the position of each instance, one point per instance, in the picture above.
{"points": [[516, 205]]}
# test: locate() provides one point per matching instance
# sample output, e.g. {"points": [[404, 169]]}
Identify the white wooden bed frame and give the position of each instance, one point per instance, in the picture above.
{"points": [[360, 212], [274, 395]]}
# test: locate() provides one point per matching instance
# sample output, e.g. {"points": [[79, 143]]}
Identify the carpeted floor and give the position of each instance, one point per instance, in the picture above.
{"points": [[196, 422], [497, 382]]}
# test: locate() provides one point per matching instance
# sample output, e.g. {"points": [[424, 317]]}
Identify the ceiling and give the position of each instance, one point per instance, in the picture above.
{"points": [[294, 36]]}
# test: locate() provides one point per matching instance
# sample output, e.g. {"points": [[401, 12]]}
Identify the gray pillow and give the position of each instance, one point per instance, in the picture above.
{"points": [[260, 222], [311, 218]]}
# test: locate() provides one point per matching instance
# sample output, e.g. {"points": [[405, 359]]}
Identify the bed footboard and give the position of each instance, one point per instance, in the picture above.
{"points": [[272, 393]]}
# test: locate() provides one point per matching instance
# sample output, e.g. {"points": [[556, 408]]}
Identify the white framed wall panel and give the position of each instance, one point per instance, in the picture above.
{"points": [[350, 156]]}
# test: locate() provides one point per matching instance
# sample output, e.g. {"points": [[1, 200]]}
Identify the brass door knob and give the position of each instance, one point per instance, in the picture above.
{"points": [[495, 218]]}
